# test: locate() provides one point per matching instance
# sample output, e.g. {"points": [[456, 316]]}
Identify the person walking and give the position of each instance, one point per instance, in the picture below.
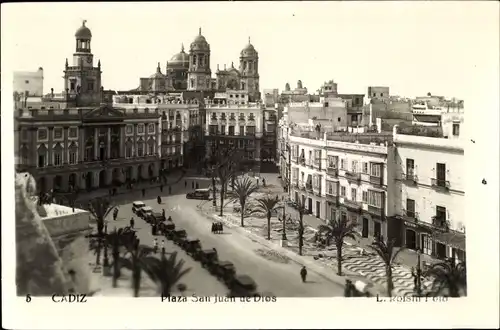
{"points": [[264, 182], [163, 247], [132, 222], [155, 245], [303, 274], [163, 213]]}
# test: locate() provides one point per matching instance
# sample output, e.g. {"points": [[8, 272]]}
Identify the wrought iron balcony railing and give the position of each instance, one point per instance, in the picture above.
{"points": [[409, 178], [352, 176], [333, 171], [440, 184]]}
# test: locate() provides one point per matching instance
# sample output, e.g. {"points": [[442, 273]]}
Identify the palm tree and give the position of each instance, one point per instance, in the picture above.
{"points": [[450, 276], [268, 205], [138, 259], [166, 272], [118, 239], [338, 231], [387, 251], [243, 189], [100, 208]]}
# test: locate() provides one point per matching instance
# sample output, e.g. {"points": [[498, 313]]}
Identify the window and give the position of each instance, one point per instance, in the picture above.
{"points": [[354, 166], [342, 164], [151, 128], [72, 86], [150, 148], [140, 128], [73, 132], [140, 149], [375, 198], [58, 133], [231, 130], [57, 159], [410, 167], [441, 174], [129, 129], [242, 130], [332, 161], [72, 157], [331, 188], [365, 167], [456, 129], [375, 170], [365, 197], [354, 193], [42, 134], [342, 191], [128, 152], [410, 208]]}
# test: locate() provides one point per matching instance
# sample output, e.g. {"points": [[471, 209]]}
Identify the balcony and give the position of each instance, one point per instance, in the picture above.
{"points": [[440, 184], [302, 161], [332, 171], [353, 176], [353, 205], [410, 215], [310, 163], [317, 164], [332, 198], [317, 190], [309, 187], [376, 180], [409, 178], [440, 223], [375, 210]]}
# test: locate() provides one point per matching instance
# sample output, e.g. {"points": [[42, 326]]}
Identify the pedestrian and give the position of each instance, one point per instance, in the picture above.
{"points": [[169, 190], [213, 228], [132, 222], [169, 218], [143, 192], [155, 245], [158, 199], [163, 213], [264, 182], [221, 227], [185, 184], [257, 182], [163, 246], [303, 274], [348, 288]]}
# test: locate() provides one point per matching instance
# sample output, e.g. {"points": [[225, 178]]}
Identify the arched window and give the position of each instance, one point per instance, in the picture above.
{"points": [[42, 156], [151, 147], [57, 157], [194, 59], [73, 153], [140, 148], [129, 149]]}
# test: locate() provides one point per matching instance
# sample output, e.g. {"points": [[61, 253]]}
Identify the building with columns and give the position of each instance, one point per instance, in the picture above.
{"points": [[73, 140], [235, 125]]}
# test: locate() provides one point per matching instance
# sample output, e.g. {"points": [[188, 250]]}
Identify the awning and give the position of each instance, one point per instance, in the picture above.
{"points": [[453, 239]]}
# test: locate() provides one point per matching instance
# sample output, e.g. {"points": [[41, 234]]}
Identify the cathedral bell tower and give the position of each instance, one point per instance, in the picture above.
{"points": [[249, 68], [199, 73], [82, 80]]}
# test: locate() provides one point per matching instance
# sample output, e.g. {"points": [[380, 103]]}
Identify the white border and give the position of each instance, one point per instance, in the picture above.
{"points": [[479, 309]]}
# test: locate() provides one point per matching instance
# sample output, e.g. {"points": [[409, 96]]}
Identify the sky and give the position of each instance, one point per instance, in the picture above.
{"points": [[412, 47]]}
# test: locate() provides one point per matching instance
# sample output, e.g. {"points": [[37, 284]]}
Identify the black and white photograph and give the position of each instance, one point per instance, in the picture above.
{"points": [[240, 154]]}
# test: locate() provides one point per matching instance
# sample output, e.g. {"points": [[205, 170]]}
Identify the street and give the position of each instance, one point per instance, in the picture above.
{"points": [[272, 274]]}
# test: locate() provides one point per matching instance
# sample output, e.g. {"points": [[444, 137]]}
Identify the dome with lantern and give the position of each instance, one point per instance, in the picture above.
{"points": [[179, 59], [249, 50], [83, 32], [200, 43]]}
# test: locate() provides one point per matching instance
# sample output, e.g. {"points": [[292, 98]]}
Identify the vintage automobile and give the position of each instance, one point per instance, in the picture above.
{"points": [[199, 194], [242, 286], [208, 257], [191, 245], [155, 217], [136, 206], [178, 235], [224, 270], [144, 211], [166, 227]]}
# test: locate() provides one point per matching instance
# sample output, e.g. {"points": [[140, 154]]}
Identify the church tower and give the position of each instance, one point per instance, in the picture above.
{"points": [[82, 81], [199, 73], [249, 68]]}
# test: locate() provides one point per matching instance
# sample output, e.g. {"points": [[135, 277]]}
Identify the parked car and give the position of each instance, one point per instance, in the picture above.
{"points": [[143, 212], [208, 257], [166, 228], [224, 270], [242, 286], [178, 235], [199, 194], [191, 245], [137, 205], [155, 217]]}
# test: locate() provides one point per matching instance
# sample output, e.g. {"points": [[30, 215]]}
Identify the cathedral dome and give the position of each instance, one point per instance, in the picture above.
{"points": [[249, 50], [179, 59], [83, 32], [200, 43]]}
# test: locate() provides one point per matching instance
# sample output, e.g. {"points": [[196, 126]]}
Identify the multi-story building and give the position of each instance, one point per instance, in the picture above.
{"points": [[180, 124], [29, 83], [269, 136], [73, 140], [235, 125], [430, 179], [344, 175]]}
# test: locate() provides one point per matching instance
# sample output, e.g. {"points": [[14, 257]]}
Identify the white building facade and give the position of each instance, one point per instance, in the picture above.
{"points": [[431, 184]]}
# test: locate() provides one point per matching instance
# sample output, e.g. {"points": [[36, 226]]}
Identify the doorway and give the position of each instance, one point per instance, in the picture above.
{"points": [[440, 250], [411, 239], [318, 209], [310, 204], [377, 231], [365, 229]]}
